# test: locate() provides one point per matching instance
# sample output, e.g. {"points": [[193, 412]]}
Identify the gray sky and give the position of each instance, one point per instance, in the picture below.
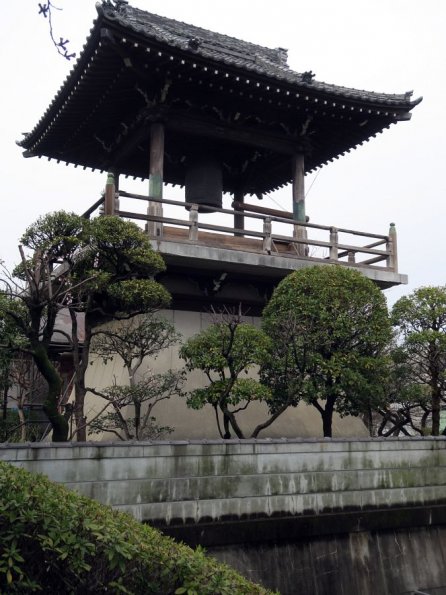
{"points": [[382, 45]]}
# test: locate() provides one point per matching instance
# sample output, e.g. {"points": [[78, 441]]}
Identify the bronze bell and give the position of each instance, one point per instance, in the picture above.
{"points": [[204, 183]]}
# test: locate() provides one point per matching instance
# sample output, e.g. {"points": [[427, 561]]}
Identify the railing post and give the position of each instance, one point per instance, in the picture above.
{"points": [[267, 240], [154, 228], [392, 259], [333, 243], [351, 257], [300, 233], [193, 221], [239, 218]]}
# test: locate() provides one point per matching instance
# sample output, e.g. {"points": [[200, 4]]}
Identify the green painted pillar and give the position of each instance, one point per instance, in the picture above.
{"points": [[109, 199]]}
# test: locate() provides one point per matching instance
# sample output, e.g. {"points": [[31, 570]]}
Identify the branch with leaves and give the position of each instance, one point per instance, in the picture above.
{"points": [[225, 352], [133, 342]]}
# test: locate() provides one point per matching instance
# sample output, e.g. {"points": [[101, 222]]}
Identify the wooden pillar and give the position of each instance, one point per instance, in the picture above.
{"points": [[300, 231], [155, 228], [239, 218], [109, 198]]}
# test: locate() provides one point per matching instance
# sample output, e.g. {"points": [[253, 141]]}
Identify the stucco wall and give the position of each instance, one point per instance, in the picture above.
{"points": [[188, 424]]}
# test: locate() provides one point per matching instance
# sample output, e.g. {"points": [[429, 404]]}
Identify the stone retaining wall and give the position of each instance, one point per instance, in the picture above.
{"points": [[189, 483]]}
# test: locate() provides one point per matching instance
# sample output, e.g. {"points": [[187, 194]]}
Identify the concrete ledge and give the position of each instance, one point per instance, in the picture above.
{"points": [[189, 486], [187, 254]]}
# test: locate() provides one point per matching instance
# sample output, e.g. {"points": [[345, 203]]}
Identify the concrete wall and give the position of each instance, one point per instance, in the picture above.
{"points": [[396, 562], [189, 483], [188, 424], [323, 517]]}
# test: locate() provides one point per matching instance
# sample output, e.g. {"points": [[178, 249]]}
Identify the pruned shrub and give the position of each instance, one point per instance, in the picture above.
{"points": [[56, 541]]}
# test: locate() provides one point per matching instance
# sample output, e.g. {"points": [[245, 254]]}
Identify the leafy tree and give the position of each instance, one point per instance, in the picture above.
{"points": [[406, 407], [53, 540], [103, 268], [114, 280], [23, 421], [8, 343], [329, 326], [134, 341], [35, 292], [421, 322], [224, 351]]}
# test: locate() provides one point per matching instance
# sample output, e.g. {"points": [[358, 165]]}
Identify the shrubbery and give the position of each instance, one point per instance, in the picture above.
{"points": [[53, 540]]}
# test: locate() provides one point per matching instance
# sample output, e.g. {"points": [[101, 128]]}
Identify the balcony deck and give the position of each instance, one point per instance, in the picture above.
{"points": [[267, 246]]}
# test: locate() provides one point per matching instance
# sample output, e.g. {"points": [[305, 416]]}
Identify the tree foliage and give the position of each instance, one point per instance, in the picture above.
{"points": [[406, 407], [131, 415], [223, 352], [104, 268], [329, 327], [115, 273], [53, 540], [36, 291], [421, 322]]}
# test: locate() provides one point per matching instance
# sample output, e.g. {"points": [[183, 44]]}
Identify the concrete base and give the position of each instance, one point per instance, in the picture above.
{"points": [[365, 563], [317, 517]]}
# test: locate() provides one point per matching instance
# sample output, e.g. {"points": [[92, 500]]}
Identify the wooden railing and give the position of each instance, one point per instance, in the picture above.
{"points": [[304, 240]]}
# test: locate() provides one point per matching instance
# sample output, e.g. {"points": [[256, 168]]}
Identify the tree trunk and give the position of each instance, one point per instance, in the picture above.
{"points": [[436, 402], [137, 407], [22, 421], [80, 369], [50, 406], [227, 434], [233, 422], [327, 416], [5, 402], [435, 371], [269, 421], [326, 424]]}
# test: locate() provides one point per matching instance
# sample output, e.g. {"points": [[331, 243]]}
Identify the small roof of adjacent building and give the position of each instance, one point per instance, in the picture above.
{"points": [[214, 93]]}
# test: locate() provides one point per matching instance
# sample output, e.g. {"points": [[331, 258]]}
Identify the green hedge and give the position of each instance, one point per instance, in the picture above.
{"points": [[53, 540]]}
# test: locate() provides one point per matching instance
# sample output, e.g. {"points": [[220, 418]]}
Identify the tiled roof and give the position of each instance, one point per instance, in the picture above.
{"points": [[239, 97], [235, 52]]}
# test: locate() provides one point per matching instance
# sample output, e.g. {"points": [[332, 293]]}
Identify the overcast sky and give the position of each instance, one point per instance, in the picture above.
{"points": [[389, 46]]}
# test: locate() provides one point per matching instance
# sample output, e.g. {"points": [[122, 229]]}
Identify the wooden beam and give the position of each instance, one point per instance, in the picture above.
{"points": [[207, 128], [240, 206]]}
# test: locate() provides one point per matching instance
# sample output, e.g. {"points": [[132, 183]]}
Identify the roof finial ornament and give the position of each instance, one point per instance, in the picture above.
{"points": [[194, 43], [308, 76], [118, 5], [282, 55]]}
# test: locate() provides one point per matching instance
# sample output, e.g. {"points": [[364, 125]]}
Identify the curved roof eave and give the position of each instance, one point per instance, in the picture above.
{"points": [[264, 67], [268, 67]]}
